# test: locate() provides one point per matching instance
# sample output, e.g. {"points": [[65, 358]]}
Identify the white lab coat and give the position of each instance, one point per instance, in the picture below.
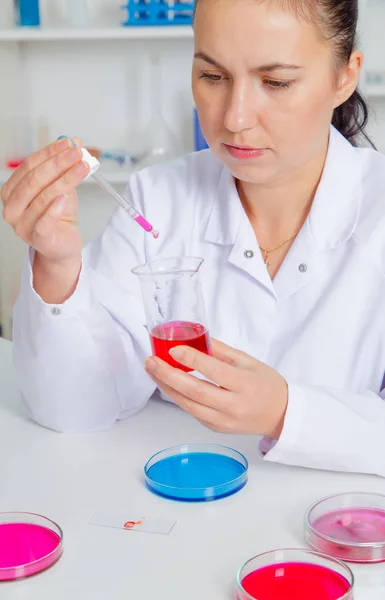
{"points": [[321, 323]]}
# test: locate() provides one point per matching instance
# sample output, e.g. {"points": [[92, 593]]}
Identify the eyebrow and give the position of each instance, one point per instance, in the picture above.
{"points": [[277, 66]]}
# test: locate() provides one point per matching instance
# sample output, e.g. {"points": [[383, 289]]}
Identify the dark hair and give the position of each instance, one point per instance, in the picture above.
{"points": [[337, 22]]}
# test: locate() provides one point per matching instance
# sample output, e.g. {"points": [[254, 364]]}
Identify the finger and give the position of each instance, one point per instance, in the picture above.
{"points": [[26, 225], [78, 142], [202, 392], [219, 371], [48, 223], [30, 163], [233, 357], [205, 414], [46, 182], [75, 141]]}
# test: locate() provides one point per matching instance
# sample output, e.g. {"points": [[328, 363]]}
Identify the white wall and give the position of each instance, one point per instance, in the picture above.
{"points": [[102, 91], [373, 44]]}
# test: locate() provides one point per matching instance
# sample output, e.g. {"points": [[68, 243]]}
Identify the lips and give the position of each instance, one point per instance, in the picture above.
{"points": [[244, 152]]}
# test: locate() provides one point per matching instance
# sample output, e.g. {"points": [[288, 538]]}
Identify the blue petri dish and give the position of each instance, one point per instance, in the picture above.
{"points": [[196, 472]]}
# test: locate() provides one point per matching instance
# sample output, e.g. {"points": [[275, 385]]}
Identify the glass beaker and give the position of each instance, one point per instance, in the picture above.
{"points": [[173, 302]]}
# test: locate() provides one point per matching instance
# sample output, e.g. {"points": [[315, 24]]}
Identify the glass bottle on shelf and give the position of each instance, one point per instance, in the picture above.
{"points": [[160, 142]]}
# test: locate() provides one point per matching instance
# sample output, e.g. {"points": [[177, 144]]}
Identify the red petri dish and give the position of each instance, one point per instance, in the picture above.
{"points": [[294, 574]]}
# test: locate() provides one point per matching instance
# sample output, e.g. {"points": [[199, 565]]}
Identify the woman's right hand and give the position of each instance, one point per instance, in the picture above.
{"points": [[41, 204]]}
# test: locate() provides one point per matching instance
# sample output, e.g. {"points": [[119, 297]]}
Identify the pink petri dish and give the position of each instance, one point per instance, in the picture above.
{"points": [[29, 544], [350, 527], [294, 574]]}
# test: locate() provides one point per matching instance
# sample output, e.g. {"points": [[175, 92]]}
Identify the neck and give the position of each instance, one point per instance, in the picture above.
{"points": [[279, 209]]}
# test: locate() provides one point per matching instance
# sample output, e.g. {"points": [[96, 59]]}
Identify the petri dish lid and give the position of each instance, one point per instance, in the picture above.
{"points": [[196, 472], [29, 544], [349, 526]]}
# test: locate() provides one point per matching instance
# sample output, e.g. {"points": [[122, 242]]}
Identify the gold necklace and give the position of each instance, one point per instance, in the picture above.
{"points": [[266, 253]]}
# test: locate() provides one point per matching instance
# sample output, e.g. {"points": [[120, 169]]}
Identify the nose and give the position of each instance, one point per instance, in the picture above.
{"points": [[242, 108]]}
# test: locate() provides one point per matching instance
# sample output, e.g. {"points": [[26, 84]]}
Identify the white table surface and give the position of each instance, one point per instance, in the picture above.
{"points": [[69, 478]]}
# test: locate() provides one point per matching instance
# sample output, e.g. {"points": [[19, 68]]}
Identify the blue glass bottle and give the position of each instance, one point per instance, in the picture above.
{"points": [[27, 13], [200, 142]]}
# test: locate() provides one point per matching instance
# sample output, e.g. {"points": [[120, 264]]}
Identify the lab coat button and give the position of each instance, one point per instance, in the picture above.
{"points": [[248, 254], [302, 268], [56, 311]]}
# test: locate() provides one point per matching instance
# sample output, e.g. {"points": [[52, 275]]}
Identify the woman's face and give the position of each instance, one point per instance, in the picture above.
{"points": [[262, 80]]}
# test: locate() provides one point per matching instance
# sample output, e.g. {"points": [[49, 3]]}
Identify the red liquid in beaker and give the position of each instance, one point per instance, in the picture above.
{"points": [[295, 581], [179, 333]]}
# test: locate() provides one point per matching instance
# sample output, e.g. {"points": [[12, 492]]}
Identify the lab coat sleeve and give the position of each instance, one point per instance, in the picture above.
{"points": [[332, 429], [81, 364]]}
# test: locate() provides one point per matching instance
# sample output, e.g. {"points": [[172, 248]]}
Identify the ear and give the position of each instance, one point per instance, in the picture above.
{"points": [[348, 78]]}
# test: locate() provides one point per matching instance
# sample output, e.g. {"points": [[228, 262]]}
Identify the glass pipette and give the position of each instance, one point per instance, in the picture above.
{"points": [[94, 165]]}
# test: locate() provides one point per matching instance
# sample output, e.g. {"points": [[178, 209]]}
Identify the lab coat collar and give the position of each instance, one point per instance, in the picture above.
{"points": [[333, 217], [334, 214], [226, 213]]}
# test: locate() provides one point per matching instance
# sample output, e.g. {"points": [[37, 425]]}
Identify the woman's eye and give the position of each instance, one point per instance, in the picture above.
{"points": [[211, 77], [278, 84], [273, 83]]}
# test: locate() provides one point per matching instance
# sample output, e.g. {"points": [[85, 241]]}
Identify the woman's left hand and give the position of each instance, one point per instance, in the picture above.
{"points": [[249, 396]]}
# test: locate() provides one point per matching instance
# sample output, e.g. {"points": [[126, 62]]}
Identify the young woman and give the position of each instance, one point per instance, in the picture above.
{"points": [[289, 216]]}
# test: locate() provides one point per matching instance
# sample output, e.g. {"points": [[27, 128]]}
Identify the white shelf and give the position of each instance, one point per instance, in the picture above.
{"points": [[375, 91], [32, 34], [112, 177]]}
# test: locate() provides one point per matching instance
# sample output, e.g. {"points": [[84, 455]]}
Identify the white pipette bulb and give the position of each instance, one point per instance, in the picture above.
{"points": [[91, 161]]}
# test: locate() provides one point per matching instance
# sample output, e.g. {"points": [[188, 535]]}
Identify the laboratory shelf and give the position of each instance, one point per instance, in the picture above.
{"points": [[41, 34]]}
